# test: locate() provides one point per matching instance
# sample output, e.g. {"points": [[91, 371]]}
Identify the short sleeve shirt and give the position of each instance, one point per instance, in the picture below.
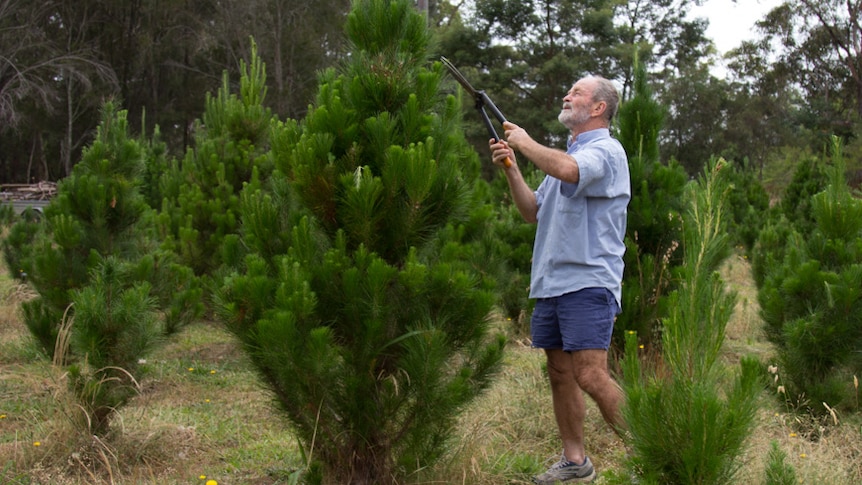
{"points": [[581, 227]]}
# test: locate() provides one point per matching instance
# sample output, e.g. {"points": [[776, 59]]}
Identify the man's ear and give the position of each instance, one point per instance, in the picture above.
{"points": [[599, 108]]}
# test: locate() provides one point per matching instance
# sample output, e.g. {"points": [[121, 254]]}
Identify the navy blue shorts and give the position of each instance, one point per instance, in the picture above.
{"points": [[580, 320]]}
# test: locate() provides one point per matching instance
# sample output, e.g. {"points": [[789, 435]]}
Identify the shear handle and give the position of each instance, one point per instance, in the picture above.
{"points": [[508, 161], [483, 98]]}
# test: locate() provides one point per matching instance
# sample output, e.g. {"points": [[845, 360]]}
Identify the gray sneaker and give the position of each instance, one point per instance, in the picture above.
{"points": [[568, 472]]}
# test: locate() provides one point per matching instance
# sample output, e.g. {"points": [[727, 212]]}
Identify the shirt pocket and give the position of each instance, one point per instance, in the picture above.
{"points": [[574, 206]]}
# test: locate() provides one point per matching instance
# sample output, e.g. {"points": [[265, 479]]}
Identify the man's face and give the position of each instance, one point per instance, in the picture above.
{"points": [[577, 105]]}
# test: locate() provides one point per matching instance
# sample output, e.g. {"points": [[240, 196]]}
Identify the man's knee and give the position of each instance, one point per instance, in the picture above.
{"points": [[591, 379], [560, 367], [591, 370]]}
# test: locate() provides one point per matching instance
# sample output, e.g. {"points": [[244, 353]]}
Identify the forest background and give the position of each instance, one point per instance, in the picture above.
{"points": [[784, 93]]}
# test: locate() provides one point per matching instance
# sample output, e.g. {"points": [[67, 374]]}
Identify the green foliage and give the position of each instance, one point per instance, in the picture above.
{"points": [[7, 215], [156, 164], [809, 178], [778, 471], [653, 231], [358, 304], [688, 419], [95, 214], [201, 192], [115, 324], [497, 244], [93, 263], [748, 203], [641, 118], [810, 297], [17, 243]]}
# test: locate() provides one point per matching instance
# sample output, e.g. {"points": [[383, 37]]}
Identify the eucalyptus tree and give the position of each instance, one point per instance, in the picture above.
{"points": [[48, 73], [815, 48], [663, 36]]}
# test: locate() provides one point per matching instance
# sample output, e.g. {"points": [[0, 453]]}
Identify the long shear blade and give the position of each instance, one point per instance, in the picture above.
{"points": [[459, 77]]}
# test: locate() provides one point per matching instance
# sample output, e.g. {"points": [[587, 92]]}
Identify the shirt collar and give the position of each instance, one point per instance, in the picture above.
{"points": [[588, 136]]}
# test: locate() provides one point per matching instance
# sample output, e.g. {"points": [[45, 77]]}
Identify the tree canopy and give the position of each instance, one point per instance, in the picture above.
{"points": [[793, 86]]}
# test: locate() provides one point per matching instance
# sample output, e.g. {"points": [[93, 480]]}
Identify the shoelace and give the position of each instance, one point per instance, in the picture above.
{"points": [[563, 463]]}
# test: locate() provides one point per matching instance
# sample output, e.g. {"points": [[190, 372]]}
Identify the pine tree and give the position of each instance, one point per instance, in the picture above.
{"points": [[370, 340], [654, 230], [91, 264], [810, 298], [201, 191], [96, 214], [687, 420]]}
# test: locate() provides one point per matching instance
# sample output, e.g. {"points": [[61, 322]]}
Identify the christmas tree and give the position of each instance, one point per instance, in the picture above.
{"points": [[92, 264], [370, 339]]}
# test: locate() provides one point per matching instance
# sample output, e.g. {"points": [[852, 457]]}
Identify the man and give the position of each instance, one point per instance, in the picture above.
{"points": [[577, 268]]}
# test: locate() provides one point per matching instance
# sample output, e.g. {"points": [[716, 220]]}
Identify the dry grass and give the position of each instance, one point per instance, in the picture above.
{"points": [[202, 413]]}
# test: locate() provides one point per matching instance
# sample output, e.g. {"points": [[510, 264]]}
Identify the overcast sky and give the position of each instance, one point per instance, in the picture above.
{"points": [[732, 22]]}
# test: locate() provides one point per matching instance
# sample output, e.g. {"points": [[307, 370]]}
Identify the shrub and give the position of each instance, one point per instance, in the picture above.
{"points": [[810, 297], [687, 418], [369, 342]]}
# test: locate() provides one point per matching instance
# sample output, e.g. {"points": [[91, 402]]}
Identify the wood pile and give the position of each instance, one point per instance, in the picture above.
{"points": [[37, 191]]}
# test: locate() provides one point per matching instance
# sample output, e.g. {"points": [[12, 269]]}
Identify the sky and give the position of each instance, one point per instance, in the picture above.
{"points": [[732, 22]]}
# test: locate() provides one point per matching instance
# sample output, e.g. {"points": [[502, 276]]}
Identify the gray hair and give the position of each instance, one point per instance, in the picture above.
{"points": [[607, 92]]}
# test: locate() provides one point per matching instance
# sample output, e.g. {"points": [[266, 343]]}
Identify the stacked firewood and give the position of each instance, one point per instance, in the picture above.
{"points": [[37, 191]]}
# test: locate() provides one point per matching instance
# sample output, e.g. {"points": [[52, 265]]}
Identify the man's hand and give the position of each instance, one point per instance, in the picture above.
{"points": [[553, 162], [516, 136], [501, 154]]}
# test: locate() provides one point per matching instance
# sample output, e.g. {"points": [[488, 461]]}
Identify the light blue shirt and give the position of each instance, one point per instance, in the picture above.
{"points": [[581, 227]]}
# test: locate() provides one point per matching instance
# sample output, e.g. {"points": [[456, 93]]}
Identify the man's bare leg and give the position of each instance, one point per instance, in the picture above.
{"points": [[591, 374], [569, 405]]}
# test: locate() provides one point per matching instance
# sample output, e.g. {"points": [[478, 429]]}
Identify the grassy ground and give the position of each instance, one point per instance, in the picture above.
{"points": [[202, 416]]}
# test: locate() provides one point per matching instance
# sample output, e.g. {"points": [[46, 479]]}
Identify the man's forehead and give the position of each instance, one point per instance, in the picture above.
{"points": [[584, 85]]}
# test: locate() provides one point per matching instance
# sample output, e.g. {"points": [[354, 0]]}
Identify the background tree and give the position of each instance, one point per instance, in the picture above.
{"points": [[154, 56], [91, 265], [810, 297], [687, 419], [369, 338], [201, 191], [662, 36], [296, 40], [812, 82], [46, 70]]}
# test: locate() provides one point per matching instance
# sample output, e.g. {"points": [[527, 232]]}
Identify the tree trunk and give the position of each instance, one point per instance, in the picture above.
{"points": [[66, 147]]}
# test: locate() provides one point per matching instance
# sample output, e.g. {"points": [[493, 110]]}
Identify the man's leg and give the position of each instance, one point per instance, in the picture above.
{"points": [[569, 406], [591, 373]]}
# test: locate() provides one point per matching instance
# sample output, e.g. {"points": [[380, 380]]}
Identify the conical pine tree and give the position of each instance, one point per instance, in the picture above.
{"points": [[811, 300], [368, 342], [200, 205], [654, 232], [97, 213], [92, 264]]}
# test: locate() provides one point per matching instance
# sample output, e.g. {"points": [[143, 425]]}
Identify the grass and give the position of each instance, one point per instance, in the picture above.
{"points": [[202, 413]]}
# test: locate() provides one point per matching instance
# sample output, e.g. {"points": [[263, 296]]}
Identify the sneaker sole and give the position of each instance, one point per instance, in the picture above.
{"points": [[587, 479]]}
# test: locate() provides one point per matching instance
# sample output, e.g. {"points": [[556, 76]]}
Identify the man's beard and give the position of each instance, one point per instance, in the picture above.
{"points": [[570, 118]]}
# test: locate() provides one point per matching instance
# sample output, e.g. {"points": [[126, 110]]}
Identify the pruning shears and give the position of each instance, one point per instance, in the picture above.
{"points": [[481, 102]]}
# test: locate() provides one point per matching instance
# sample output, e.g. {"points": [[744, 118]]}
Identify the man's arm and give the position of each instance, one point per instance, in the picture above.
{"points": [[553, 162], [522, 194]]}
